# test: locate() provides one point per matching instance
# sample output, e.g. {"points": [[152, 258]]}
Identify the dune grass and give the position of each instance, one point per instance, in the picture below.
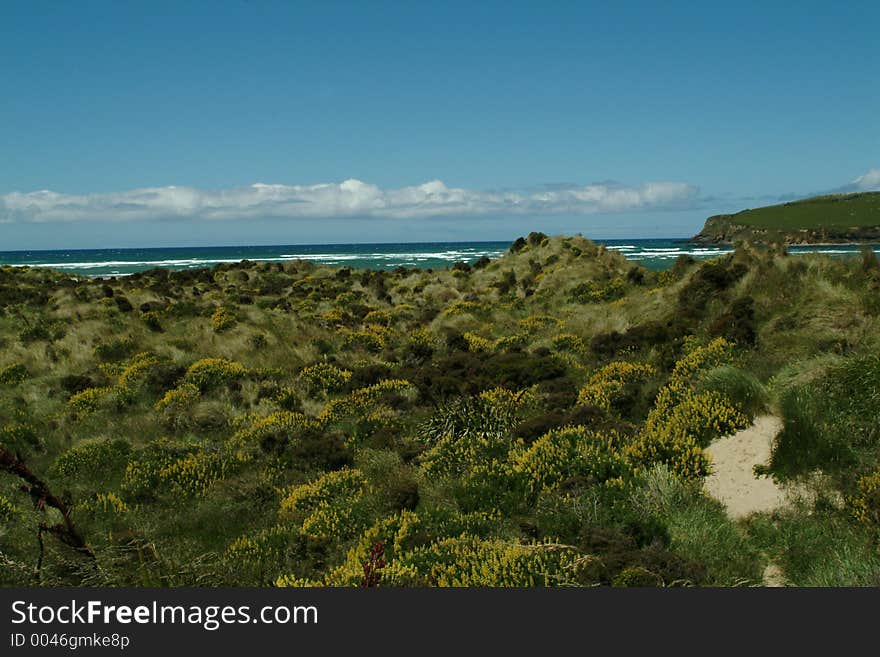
{"points": [[173, 413]]}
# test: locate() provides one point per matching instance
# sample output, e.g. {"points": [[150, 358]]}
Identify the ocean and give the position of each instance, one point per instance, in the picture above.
{"points": [[653, 253]]}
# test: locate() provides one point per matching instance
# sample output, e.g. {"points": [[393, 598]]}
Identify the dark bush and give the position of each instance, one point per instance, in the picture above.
{"points": [[635, 275], [712, 278], [116, 349], [123, 304], [536, 238], [326, 451], [74, 383], [403, 494], [646, 335], [11, 295], [518, 245], [738, 324], [368, 375], [626, 558], [506, 283]]}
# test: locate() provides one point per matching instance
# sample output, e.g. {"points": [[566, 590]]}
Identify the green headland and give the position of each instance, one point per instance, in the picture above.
{"points": [[831, 219]]}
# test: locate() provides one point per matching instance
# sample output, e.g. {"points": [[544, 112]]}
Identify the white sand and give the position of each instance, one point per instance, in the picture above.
{"points": [[734, 482]]}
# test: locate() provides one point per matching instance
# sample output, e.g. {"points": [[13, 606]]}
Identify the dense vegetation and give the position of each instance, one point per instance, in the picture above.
{"points": [[540, 419], [831, 218]]}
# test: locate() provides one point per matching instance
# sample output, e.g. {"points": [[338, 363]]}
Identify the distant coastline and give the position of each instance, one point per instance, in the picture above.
{"points": [[654, 253], [831, 220]]}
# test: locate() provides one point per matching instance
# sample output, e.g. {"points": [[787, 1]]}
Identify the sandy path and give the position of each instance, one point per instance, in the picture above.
{"points": [[733, 481]]}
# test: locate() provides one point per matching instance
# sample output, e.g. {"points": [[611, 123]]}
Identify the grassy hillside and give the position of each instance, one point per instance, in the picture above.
{"points": [[838, 217], [539, 419]]}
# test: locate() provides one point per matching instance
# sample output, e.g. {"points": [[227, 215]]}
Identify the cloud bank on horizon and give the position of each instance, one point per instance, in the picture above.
{"points": [[354, 198], [351, 198]]}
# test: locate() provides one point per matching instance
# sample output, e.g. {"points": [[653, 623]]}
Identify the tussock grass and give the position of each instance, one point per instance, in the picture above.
{"points": [[804, 338]]}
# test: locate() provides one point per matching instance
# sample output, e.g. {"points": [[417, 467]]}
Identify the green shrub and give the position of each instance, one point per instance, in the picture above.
{"points": [[93, 459], [116, 349], [831, 422], [742, 389], [691, 518]]}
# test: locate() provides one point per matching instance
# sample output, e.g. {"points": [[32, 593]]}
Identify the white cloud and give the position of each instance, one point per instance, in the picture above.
{"points": [[869, 182], [351, 198]]}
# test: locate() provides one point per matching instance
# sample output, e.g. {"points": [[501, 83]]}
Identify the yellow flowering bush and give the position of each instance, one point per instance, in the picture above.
{"points": [[508, 342], [143, 476], [137, 370], [569, 452], [178, 399], [363, 399], [223, 319], [403, 310], [263, 546], [259, 556], [594, 292], [422, 336], [477, 343], [455, 454], [698, 359], [462, 308], [278, 427], [569, 342], [399, 534], [104, 504], [324, 377], [508, 401], [88, 401], [684, 457], [469, 561], [366, 339], [865, 504], [536, 323], [701, 417], [194, 474], [328, 507], [334, 316], [213, 372], [683, 421], [382, 317], [606, 385], [153, 320]]}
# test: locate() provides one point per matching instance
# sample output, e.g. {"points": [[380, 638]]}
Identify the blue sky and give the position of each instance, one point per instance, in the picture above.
{"points": [[127, 124]]}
